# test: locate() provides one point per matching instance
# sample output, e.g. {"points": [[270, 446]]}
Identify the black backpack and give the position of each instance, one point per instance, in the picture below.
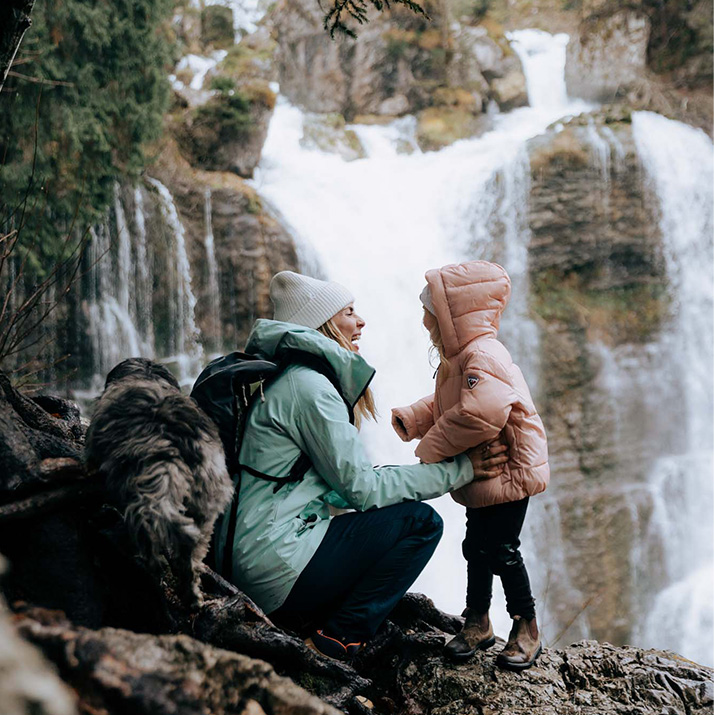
{"points": [[225, 390]]}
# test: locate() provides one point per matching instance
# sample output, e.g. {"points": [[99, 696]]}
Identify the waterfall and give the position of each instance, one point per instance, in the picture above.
{"points": [[144, 287], [543, 58], [113, 334], [184, 347], [379, 223], [677, 162], [125, 265], [214, 297]]}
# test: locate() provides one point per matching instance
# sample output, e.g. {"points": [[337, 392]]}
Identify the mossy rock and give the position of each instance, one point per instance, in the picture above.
{"points": [[632, 313], [217, 27], [250, 58], [565, 150], [457, 97], [438, 127], [329, 133]]}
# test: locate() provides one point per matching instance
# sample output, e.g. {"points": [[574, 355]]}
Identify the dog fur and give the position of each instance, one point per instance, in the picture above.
{"points": [[163, 466]]}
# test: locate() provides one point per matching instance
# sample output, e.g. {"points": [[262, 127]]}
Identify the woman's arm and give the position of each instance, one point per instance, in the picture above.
{"points": [[324, 433], [414, 421], [479, 416]]}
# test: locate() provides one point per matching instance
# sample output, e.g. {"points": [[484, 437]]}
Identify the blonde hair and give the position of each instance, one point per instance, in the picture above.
{"points": [[365, 409], [437, 344]]}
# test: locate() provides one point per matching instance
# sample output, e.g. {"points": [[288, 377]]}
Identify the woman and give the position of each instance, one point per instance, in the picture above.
{"points": [[343, 574]]}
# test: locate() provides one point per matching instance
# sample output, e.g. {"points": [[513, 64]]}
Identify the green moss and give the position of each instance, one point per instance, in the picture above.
{"points": [[223, 84], [629, 313], [241, 59], [228, 115], [217, 27], [253, 205]]}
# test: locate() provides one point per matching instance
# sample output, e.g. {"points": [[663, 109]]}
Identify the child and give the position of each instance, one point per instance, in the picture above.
{"points": [[480, 397]]}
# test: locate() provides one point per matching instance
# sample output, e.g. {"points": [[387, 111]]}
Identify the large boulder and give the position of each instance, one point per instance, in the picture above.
{"points": [[227, 133]]}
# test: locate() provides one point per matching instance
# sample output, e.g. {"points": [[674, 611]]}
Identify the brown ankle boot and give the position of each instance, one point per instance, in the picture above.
{"points": [[523, 645], [477, 634]]}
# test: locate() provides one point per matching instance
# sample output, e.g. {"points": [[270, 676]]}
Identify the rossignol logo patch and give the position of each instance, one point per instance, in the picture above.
{"points": [[472, 381]]}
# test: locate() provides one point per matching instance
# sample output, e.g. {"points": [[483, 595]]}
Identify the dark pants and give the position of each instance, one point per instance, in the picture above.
{"points": [[364, 565], [491, 547]]}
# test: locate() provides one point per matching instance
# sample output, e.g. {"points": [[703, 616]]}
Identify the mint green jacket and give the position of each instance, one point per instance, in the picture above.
{"points": [[277, 532]]}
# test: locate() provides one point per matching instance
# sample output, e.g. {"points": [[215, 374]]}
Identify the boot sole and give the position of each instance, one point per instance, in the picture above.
{"points": [[516, 667], [483, 645]]}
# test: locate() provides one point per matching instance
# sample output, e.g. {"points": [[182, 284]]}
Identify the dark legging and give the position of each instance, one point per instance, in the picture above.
{"points": [[491, 547], [364, 565]]}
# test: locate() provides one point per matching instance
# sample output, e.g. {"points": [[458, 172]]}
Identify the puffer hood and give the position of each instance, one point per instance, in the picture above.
{"points": [[275, 340], [468, 300]]}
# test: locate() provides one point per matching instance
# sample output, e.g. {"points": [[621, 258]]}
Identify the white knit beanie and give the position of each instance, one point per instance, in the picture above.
{"points": [[425, 298], [306, 301]]}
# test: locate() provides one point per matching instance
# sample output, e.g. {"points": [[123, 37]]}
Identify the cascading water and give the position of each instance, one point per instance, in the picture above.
{"points": [[677, 161], [378, 224], [214, 297], [144, 286], [185, 349], [113, 332]]}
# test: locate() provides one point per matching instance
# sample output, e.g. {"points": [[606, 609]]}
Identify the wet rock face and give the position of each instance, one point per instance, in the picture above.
{"points": [[250, 247], [328, 133], [589, 213], [600, 295], [658, 55], [401, 63], [608, 57]]}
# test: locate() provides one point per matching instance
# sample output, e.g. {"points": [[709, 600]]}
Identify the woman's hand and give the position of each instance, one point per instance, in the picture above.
{"points": [[399, 427], [488, 459]]}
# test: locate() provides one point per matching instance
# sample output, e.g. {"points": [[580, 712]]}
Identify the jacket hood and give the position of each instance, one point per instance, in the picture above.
{"points": [[275, 340], [468, 300]]}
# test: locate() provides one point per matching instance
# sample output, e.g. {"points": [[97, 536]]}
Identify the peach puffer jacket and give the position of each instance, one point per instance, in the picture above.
{"points": [[481, 394]]}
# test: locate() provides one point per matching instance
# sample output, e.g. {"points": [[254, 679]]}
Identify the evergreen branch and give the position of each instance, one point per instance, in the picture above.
{"points": [[39, 80], [333, 20]]}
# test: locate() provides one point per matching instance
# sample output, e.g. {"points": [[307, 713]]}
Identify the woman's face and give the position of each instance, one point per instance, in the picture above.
{"points": [[350, 325]]}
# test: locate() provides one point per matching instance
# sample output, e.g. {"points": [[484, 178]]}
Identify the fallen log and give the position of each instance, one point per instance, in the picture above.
{"points": [[123, 673], [49, 501]]}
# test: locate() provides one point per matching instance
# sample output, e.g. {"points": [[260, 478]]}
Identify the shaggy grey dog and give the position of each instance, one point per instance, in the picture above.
{"points": [[163, 466]]}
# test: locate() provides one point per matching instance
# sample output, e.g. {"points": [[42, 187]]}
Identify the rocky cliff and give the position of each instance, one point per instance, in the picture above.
{"points": [[656, 55], [605, 306], [401, 63]]}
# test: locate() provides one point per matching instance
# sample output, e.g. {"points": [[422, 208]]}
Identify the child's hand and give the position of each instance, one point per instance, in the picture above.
{"points": [[488, 459], [399, 428]]}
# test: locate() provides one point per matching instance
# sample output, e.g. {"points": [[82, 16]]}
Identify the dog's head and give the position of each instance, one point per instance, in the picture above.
{"points": [[140, 369]]}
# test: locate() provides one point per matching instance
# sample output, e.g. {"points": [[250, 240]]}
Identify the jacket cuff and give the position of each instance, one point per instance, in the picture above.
{"points": [[406, 415]]}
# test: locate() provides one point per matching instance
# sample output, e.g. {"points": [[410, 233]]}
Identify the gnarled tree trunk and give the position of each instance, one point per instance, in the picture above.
{"points": [[14, 23]]}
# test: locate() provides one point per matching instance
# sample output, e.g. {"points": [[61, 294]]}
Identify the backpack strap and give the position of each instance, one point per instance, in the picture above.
{"points": [[296, 474], [300, 466]]}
